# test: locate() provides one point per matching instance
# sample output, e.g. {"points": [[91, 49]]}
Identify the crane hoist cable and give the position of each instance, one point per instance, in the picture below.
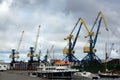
{"points": [[37, 39], [19, 42]]}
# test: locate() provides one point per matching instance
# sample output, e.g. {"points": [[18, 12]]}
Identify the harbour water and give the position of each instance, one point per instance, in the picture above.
{"points": [[23, 75], [109, 79], [89, 79]]}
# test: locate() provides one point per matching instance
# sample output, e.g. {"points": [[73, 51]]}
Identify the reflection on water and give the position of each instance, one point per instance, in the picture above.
{"points": [[89, 79], [109, 79]]}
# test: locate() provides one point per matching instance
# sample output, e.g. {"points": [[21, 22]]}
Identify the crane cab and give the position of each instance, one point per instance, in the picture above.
{"points": [[86, 49]]}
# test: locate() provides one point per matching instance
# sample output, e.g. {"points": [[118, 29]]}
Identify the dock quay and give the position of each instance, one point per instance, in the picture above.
{"points": [[16, 75]]}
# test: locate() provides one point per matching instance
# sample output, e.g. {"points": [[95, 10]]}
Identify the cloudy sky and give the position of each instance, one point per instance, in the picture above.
{"points": [[57, 19]]}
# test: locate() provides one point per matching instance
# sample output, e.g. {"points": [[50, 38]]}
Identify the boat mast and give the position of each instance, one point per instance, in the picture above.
{"points": [[106, 57]]}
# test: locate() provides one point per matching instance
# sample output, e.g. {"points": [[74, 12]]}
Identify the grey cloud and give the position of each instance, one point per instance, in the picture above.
{"points": [[82, 8], [57, 18], [29, 4], [1, 1]]}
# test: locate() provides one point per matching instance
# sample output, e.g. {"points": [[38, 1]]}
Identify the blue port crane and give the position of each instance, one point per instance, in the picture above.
{"points": [[70, 51], [91, 57]]}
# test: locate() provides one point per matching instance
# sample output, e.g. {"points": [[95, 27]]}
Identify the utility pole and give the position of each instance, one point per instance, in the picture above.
{"points": [[119, 55]]}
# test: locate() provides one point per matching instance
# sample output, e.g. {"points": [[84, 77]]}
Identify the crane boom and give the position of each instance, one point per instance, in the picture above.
{"points": [[20, 42], [101, 18], [83, 23], [89, 33], [37, 38]]}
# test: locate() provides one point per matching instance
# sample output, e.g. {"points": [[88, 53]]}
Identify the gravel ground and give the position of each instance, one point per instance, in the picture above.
{"points": [[16, 75]]}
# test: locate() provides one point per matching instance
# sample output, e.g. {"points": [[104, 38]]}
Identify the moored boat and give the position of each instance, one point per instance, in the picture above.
{"points": [[61, 70], [109, 75], [85, 76]]}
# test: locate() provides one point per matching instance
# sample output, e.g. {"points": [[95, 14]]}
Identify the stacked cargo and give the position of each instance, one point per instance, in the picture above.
{"points": [[20, 66], [25, 66]]}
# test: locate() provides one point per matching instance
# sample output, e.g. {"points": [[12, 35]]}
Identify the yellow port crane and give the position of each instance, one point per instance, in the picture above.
{"points": [[35, 47], [70, 51], [86, 48], [17, 50], [91, 57], [13, 55]]}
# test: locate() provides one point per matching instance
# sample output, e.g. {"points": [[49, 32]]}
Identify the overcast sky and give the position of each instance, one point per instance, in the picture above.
{"points": [[57, 19]]}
